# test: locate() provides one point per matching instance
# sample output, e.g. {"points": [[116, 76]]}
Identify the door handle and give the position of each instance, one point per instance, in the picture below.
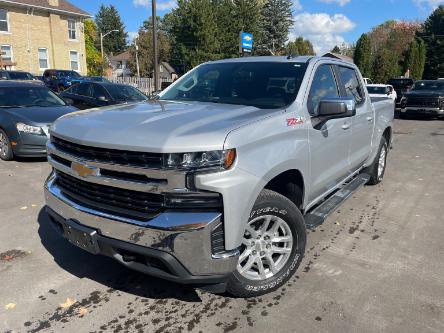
{"points": [[346, 126], [370, 119]]}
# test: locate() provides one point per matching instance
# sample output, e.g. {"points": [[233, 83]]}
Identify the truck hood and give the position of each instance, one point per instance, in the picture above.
{"points": [[157, 126], [39, 115]]}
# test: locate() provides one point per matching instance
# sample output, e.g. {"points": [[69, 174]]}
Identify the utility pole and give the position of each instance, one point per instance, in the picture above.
{"points": [[101, 40], [137, 58], [155, 53]]}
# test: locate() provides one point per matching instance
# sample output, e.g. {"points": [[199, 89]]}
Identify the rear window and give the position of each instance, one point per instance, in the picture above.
{"points": [[377, 90], [20, 76]]}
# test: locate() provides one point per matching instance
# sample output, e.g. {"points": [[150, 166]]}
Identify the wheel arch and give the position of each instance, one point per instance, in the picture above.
{"points": [[289, 183]]}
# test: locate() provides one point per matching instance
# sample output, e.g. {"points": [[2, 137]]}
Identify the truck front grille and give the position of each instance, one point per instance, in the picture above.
{"points": [[427, 102], [111, 156], [112, 200]]}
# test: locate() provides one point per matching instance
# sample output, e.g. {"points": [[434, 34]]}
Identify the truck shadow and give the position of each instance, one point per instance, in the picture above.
{"points": [[106, 271]]}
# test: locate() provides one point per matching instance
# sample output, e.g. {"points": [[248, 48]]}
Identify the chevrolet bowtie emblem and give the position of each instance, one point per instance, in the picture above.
{"points": [[83, 170]]}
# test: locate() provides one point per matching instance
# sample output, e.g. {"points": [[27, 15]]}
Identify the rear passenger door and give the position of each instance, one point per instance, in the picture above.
{"points": [[363, 121], [83, 96], [329, 144]]}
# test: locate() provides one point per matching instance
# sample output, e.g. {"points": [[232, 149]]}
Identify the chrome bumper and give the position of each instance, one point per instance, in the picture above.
{"points": [[184, 235]]}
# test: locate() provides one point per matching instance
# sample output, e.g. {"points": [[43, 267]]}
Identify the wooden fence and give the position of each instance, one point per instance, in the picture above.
{"points": [[146, 85]]}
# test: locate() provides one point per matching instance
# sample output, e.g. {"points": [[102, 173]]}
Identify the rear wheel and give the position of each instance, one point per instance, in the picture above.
{"points": [[6, 153], [272, 247]]}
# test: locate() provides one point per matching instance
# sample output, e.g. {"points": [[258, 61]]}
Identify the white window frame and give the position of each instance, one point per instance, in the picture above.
{"points": [[47, 57], [78, 60], [70, 30], [10, 50], [7, 22]]}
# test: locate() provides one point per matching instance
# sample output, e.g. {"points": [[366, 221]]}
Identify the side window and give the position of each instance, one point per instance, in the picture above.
{"points": [[323, 86], [98, 91], [351, 84], [83, 89]]}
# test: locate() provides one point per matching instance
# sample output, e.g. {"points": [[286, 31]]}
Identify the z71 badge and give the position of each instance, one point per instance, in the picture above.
{"points": [[295, 121]]}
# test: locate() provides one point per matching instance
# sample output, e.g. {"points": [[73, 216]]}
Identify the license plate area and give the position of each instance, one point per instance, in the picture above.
{"points": [[81, 236]]}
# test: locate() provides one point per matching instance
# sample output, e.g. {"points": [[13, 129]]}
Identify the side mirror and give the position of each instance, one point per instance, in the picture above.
{"points": [[332, 108]]}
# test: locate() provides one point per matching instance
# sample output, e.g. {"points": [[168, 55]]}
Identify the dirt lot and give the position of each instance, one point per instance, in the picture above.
{"points": [[376, 265]]}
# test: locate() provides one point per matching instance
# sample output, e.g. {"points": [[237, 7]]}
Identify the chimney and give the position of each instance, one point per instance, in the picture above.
{"points": [[53, 3]]}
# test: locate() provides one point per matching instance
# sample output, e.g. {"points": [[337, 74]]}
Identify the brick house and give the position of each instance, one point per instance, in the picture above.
{"points": [[42, 34]]}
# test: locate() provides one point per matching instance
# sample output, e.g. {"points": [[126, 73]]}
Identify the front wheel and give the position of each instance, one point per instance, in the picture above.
{"points": [[6, 153], [377, 169], [272, 247]]}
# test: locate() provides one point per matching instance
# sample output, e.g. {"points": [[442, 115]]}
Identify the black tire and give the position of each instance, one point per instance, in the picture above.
{"points": [[6, 153], [376, 176], [270, 203]]}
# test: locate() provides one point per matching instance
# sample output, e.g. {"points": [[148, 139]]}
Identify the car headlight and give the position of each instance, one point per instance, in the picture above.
{"points": [[29, 129], [223, 159]]}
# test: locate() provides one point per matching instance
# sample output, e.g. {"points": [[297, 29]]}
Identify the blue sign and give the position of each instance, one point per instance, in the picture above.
{"points": [[246, 40]]}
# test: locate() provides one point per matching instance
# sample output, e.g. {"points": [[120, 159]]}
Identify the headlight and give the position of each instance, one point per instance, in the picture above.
{"points": [[209, 159], [29, 129]]}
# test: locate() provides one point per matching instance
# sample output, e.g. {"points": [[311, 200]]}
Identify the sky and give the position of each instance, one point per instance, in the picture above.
{"points": [[325, 23]]}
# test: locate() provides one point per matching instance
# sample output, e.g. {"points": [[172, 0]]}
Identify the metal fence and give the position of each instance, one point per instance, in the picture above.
{"points": [[146, 85]]}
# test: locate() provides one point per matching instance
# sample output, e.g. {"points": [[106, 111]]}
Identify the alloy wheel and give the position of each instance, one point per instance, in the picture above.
{"points": [[267, 245]]}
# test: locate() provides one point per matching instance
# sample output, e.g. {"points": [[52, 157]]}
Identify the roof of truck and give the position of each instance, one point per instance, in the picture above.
{"points": [[299, 59]]}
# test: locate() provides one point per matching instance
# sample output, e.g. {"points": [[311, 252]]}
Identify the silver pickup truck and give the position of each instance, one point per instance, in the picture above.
{"points": [[215, 182]]}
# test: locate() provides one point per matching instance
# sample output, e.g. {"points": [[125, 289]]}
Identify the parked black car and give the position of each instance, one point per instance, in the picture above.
{"points": [[96, 94], [401, 86], [426, 98], [59, 80], [16, 75], [27, 110]]}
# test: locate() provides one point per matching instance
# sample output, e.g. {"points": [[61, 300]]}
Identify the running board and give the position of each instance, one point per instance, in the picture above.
{"points": [[317, 216]]}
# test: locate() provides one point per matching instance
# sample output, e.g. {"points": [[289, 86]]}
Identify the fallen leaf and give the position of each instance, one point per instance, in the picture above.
{"points": [[7, 258], [67, 303], [10, 306], [33, 205], [82, 311], [23, 208]]}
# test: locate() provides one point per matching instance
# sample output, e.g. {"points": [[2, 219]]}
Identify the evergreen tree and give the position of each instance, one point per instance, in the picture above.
{"points": [[385, 66], [363, 55], [415, 59], [108, 19], [276, 22], [336, 49], [433, 37], [300, 47], [94, 59]]}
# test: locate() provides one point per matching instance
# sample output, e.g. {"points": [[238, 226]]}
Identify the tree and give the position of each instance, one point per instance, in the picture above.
{"points": [[300, 47], [276, 22], [415, 59], [108, 19], [94, 59], [385, 65], [433, 35], [336, 49], [144, 41], [363, 55]]}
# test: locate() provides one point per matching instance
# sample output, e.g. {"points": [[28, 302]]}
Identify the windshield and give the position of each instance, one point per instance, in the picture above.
{"points": [[13, 97], [376, 90], [68, 74], [265, 85], [20, 76], [125, 93], [400, 83], [429, 85]]}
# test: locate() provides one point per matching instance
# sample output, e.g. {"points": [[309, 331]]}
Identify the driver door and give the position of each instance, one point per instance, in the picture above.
{"points": [[329, 144]]}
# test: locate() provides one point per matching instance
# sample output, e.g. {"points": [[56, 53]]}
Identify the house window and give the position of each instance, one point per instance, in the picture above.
{"points": [[6, 52], [4, 26], [43, 58], [74, 58], [72, 32]]}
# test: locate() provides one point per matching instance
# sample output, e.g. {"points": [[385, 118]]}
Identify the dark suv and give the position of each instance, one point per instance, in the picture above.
{"points": [[401, 86], [59, 80], [426, 99], [16, 75]]}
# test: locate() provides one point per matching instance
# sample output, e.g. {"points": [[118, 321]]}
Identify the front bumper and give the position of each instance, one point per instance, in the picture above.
{"points": [[423, 111], [30, 145], [181, 241]]}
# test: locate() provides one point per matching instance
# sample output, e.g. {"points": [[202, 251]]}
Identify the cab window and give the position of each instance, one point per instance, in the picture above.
{"points": [[323, 86], [351, 84]]}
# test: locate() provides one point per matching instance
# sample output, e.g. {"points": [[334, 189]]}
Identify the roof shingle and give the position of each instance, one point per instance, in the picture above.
{"points": [[64, 5]]}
